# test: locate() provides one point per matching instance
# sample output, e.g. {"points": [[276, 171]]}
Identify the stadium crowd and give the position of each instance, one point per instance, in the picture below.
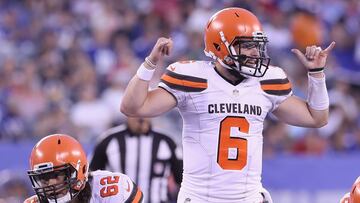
{"points": [[65, 64]]}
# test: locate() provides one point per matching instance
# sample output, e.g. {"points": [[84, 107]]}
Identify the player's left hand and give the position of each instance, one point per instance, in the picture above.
{"points": [[314, 56]]}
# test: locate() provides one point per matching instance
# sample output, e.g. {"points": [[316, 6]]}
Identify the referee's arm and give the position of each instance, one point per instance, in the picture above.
{"points": [[176, 165], [99, 159]]}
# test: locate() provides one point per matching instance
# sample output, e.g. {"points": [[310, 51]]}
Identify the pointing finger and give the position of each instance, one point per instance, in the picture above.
{"points": [[329, 48]]}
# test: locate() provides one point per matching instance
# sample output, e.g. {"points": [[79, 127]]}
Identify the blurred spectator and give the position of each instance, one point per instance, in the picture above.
{"points": [[13, 187], [113, 93], [276, 138], [52, 50], [12, 125], [26, 93], [90, 115], [53, 120], [311, 144], [342, 118]]}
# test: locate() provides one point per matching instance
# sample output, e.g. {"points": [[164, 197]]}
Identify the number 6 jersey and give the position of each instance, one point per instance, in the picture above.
{"points": [[222, 128]]}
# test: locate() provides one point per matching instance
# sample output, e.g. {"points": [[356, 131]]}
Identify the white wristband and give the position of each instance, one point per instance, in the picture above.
{"points": [[144, 73], [318, 98]]}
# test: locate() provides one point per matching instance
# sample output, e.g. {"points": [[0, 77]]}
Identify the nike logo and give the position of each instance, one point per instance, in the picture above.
{"points": [[128, 187], [172, 68]]}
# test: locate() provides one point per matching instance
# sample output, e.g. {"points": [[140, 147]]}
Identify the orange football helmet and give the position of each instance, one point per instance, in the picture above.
{"points": [[230, 30], [61, 158]]}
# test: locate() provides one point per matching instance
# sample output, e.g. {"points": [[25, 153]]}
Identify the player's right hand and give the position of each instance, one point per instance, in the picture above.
{"points": [[32, 199], [162, 47]]}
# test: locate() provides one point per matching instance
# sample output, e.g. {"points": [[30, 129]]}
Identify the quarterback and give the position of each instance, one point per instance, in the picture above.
{"points": [[59, 174], [224, 102]]}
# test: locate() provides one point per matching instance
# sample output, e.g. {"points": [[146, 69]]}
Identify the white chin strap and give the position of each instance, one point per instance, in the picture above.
{"points": [[230, 49], [224, 65], [237, 64], [66, 198]]}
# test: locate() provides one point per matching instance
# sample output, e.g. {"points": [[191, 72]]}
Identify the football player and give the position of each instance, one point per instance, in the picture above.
{"points": [[224, 102], [59, 174], [354, 195]]}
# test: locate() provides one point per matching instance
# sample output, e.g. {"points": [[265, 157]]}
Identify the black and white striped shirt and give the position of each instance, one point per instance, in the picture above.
{"points": [[147, 159]]}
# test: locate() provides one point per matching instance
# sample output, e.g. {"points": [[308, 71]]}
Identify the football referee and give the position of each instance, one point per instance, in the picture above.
{"points": [[146, 156]]}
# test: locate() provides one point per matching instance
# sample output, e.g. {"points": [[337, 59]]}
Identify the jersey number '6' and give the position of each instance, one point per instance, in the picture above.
{"points": [[232, 149]]}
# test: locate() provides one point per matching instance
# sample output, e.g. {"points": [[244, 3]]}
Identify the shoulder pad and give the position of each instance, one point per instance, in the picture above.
{"points": [[186, 76], [274, 72], [191, 67], [275, 82]]}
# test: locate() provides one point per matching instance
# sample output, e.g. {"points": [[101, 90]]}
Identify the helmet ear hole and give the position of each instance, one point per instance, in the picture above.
{"points": [[217, 46], [84, 169]]}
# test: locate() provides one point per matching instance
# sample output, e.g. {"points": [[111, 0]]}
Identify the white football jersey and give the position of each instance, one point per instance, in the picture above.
{"points": [[222, 128], [109, 187]]}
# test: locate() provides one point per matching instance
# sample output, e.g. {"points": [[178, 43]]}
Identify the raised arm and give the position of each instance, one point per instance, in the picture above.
{"points": [[313, 112], [138, 100]]}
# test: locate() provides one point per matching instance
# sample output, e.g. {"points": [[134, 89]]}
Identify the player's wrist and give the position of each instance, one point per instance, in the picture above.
{"points": [[150, 63], [317, 75], [318, 98], [145, 73], [316, 72]]}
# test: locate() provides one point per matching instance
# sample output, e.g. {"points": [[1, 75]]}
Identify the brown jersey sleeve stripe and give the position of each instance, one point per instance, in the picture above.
{"points": [[183, 87], [138, 197], [185, 77], [274, 81], [184, 83], [276, 86], [278, 92], [280, 89]]}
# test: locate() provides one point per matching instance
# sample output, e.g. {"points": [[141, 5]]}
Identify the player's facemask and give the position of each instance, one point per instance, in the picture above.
{"points": [[254, 65], [60, 192]]}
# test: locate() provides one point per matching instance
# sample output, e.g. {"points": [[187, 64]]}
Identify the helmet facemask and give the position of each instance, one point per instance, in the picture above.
{"points": [[255, 66], [62, 191]]}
